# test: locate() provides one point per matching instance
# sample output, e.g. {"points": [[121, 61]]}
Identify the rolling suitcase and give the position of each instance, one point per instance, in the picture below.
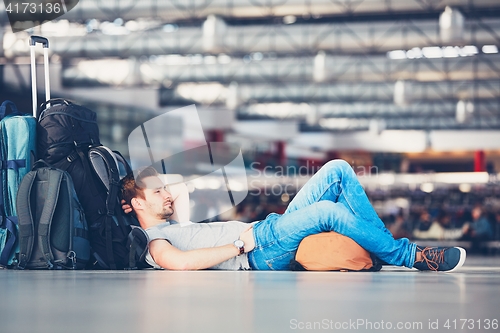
{"points": [[45, 43]]}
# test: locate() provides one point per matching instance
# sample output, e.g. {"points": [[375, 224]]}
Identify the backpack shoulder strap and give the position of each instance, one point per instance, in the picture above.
{"points": [[106, 167], [9, 222], [137, 244], [121, 160], [54, 179], [25, 218]]}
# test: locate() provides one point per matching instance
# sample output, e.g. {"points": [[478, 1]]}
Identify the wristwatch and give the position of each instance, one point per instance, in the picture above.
{"points": [[240, 245]]}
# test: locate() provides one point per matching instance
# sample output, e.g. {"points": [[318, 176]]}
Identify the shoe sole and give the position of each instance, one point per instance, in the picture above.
{"points": [[463, 255]]}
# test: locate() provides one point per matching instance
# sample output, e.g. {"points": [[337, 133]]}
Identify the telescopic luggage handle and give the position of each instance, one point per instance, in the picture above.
{"points": [[45, 43], [38, 39]]}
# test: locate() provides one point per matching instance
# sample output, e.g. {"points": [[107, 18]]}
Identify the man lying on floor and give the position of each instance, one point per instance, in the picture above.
{"points": [[332, 200]]}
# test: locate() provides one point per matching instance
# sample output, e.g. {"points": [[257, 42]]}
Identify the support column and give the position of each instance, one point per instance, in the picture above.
{"points": [[331, 155], [280, 152], [2, 84], [479, 161], [215, 135]]}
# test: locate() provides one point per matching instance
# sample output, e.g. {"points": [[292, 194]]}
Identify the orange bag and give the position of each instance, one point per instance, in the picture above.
{"points": [[331, 251]]}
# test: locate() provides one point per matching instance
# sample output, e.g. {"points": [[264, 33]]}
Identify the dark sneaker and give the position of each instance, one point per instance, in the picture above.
{"points": [[440, 258]]}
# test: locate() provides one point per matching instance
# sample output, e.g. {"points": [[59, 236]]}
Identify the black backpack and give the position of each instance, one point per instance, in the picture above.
{"points": [[137, 244], [68, 138], [128, 244], [53, 232]]}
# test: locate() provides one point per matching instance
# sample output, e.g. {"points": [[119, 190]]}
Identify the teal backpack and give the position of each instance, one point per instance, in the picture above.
{"points": [[17, 154]]}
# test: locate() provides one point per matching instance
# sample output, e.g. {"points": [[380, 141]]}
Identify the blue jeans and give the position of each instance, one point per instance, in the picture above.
{"points": [[332, 200]]}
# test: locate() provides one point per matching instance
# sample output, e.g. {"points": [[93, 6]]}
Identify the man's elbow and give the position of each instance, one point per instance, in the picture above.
{"points": [[182, 267], [177, 265]]}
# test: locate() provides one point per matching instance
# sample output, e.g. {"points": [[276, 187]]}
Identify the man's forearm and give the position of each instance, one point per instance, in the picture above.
{"points": [[208, 257], [176, 259]]}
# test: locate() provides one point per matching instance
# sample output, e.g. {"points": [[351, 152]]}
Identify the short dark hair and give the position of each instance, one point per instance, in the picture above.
{"points": [[132, 185]]}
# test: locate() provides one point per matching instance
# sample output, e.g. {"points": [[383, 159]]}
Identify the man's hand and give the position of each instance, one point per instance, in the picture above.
{"points": [[247, 238], [126, 207]]}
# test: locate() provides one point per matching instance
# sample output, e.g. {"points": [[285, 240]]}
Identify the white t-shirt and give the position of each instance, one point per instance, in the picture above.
{"points": [[201, 235]]}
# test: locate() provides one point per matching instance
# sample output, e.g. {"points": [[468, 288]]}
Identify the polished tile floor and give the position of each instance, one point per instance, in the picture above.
{"points": [[395, 299]]}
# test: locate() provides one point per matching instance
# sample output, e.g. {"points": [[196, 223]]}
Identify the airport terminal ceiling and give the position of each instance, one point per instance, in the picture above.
{"points": [[333, 66]]}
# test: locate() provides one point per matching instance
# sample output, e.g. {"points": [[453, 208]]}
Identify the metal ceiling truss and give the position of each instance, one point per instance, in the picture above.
{"points": [[181, 10], [273, 62], [299, 40], [405, 123], [337, 69], [368, 92], [486, 109], [248, 94]]}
